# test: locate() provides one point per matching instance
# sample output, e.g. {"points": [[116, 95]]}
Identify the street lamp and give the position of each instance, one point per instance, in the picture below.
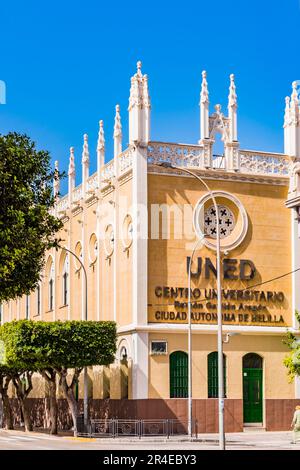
{"points": [[219, 314], [190, 401], [85, 375]]}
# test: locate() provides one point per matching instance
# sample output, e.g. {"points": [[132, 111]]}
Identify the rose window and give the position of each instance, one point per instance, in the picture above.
{"points": [[226, 222]]}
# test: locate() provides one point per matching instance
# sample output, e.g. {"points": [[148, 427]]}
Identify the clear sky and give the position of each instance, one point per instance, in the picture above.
{"points": [[66, 64]]}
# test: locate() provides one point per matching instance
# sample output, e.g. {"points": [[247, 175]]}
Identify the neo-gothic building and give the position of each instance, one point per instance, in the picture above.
{"points": [[133, 224]]}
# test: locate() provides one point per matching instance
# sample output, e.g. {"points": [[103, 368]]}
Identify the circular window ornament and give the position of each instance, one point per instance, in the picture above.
{"points": [[109, 240], [78, 252], [127, 232], [93, 248], [233, 221], [226, 221]]}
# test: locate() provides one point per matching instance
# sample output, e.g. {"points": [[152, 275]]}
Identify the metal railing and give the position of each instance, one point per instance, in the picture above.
{"points": [[138, 428]]}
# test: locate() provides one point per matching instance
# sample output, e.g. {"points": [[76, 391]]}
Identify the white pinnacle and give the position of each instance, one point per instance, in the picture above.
{"points": [[117, 126], [232, 98], [204, 89], [85, 150], [101, 140], [71, 162]]}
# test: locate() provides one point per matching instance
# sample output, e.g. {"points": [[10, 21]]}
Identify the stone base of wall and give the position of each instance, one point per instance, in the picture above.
{"points": [[278, 412]]}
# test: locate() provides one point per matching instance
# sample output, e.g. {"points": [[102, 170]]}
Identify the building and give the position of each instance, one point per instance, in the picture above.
{"points": [[133, 225]]}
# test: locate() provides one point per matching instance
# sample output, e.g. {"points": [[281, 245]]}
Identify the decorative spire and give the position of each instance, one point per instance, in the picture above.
{"points": [[56, 180], [117, 133], [204, 89], [117, 126], [287, 110], [139, 108], [85, 160], [146, 96], [71, 162], [294, 105], [85, 150], [294, 96], [232, 98], [139, 68], [101, 140]]}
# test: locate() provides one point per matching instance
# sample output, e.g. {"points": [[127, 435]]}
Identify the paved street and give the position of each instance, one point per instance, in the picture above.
{"points": [[18, 440]]}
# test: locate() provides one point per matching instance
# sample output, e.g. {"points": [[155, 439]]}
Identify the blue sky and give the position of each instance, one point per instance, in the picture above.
{"points": [[67, 64]]}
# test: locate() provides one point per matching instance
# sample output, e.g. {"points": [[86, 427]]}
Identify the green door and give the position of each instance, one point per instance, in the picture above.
{"points": [[252, 394], [178, 374]]}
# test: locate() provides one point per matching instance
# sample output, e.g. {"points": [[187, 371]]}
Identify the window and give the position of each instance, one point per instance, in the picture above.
{"points": [[51, 288], [252, 361], [38, 300], [158, 347], [212, 375], [27, 312], [65, 282], [178, 375]]}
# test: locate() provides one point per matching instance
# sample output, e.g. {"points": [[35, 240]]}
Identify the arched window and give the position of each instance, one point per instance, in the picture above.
{"points": [[65, 275], [27, 307], [178, 374], [38, 299], [51, 287], [252, 361], [212, 375]]}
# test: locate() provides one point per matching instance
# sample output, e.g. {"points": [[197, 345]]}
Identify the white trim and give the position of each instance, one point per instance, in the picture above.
{"points": [[140, 240], [222, 176], [206, 329], [140, 365], [297, 386], [295, 245], [112, 247]]}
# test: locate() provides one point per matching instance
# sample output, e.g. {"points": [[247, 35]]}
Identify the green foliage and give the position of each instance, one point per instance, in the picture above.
{"points": [[292, 360], [27, 228], [40, 345]]}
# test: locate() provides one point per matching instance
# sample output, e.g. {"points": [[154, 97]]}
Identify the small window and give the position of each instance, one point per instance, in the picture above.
{"points": [[158, 347]]}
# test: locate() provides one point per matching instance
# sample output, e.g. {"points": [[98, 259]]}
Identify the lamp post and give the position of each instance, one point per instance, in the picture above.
{"points": [[219, 312], [190, 382], [85, 375]]}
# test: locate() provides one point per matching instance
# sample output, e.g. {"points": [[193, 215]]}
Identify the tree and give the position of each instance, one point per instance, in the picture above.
{"points": [[27, 228], [78, 344], [22, 366], [292, 360], [51, 348]]}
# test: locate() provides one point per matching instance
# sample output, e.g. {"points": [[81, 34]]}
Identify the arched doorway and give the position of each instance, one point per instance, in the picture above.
{"points": [[253, 388], [178, 374]]}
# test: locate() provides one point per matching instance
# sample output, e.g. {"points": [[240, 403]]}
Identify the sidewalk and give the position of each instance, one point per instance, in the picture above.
{"points": [[254, 440]]}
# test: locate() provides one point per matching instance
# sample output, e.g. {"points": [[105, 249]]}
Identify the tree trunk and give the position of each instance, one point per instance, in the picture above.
{"points": [[23, 385], [7, 414], [26, 415], [69, 392], [50, 376], [53, 408], [70, 397]]}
